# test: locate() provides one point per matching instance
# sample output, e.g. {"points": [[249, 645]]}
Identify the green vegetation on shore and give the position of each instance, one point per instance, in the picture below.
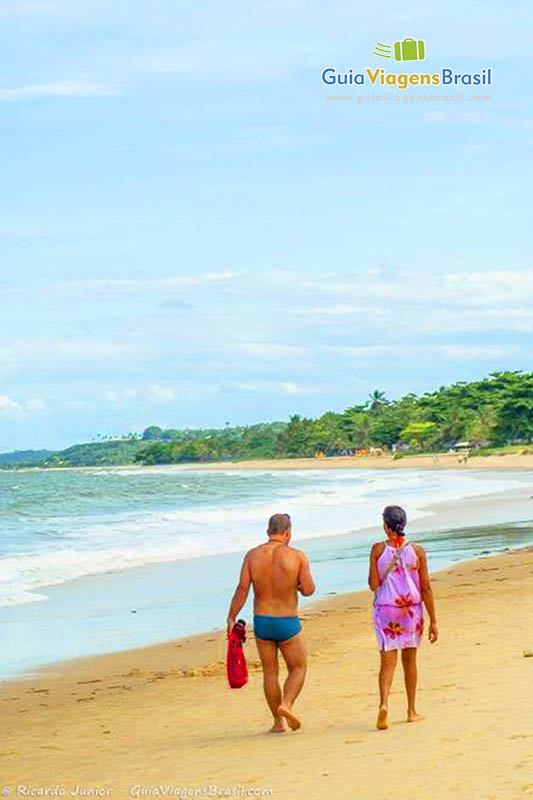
{"points": [[492, 413]]}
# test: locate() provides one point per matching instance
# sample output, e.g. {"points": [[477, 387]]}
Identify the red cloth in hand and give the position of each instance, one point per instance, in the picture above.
{"points": [[236, 667]]}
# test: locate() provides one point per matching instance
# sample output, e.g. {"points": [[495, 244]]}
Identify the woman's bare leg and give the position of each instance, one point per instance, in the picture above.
{"points": [[389, 659], [410, 675]]}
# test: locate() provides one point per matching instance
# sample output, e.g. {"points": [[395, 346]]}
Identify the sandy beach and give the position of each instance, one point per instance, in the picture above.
{"points": [[453, 461], [149, 721], [503, 461]]}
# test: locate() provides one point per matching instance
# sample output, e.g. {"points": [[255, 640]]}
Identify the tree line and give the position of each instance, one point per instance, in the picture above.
{"points": [[495, 411], [492, 412]]}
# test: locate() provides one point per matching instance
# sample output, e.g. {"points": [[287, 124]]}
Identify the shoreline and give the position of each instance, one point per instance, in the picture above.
{"points": [[194, 643], [139, 607], [438, 461], [164, 714]]}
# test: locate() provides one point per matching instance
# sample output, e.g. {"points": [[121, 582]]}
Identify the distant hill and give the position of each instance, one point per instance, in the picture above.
{"points": [[25, 457], [129, 450]]}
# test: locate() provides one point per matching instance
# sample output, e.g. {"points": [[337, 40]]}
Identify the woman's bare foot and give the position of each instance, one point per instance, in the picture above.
{"points": [[382, 722], [412, 716], [278, 726], [292, 719]]}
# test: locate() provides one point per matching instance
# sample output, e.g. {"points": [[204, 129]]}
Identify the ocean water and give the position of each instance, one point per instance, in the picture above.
{"points": [[157, 550], [60, 525]]}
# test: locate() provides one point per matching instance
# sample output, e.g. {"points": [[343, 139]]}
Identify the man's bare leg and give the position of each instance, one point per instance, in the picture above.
{"points": [[410, 676], [268, 653], [293, 651], [386, 674]]}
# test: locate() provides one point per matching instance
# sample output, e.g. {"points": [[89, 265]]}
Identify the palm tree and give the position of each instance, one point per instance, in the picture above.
{"points": [[377, 401]]}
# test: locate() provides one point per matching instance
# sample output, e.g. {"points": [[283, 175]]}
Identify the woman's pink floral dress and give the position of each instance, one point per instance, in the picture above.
{"points": [[398, 610]]}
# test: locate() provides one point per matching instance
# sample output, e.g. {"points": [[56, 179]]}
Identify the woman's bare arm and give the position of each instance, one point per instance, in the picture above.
{"points": [[427, 593], [373, 573]]}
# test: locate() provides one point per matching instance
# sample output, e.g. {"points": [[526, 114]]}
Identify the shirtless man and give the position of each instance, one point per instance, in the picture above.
{"points": [[277, 573]]}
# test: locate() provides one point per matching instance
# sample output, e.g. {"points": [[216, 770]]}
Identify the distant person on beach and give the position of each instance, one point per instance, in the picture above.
{"points": [[277, 573], [400, 581]]}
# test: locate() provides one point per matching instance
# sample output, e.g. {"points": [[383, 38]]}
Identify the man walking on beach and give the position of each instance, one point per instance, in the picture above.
{"points": [[277, 573]]}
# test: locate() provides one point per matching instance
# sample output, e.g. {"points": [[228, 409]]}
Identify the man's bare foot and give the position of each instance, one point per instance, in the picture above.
{"points": [[278, 727], [382, 722], [412, 716], [292, 719]]}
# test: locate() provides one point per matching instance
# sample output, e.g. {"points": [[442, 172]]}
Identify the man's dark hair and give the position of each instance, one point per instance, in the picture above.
{"points": [[278, 523], [396, 518]]}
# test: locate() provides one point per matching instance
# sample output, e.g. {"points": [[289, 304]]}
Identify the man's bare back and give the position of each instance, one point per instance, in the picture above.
{"points": [[276, 573]]}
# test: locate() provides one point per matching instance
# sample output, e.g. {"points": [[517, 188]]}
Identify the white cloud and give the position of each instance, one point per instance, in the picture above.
{"points": [[370, 351], [59, 89], [161, 394], [120, 397], [10, 407], [451, 116], [288, 387], [272, 349], [35, 404], [19, 409], [61, 8], [343, 311], [292, 389], [156, 393], [159, 285], [444, 320], [451, 352], [458, 352], [381, 290], [53, 351], [374, 293]]}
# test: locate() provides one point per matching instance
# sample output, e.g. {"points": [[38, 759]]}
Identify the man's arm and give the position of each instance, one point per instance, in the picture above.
{"points": [[306, 584], [427, 593], [240, 594], [373, 572]]}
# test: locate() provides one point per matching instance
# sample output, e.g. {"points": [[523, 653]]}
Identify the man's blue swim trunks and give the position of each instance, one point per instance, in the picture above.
{"points": [[276, 629]]}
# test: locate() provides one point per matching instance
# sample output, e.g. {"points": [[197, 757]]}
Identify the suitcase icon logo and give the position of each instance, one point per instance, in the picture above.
{"points": [[409, 50]]}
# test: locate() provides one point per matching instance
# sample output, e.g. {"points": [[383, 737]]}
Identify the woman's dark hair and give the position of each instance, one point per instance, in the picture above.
{"points": [[396, 518]]}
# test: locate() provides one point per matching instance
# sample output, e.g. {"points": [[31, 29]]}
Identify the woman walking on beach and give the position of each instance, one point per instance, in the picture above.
{"points": [[399, 578]]}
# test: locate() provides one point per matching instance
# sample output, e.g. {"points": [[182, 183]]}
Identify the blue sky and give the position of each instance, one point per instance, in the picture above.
{"points": [[193, 234]]}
